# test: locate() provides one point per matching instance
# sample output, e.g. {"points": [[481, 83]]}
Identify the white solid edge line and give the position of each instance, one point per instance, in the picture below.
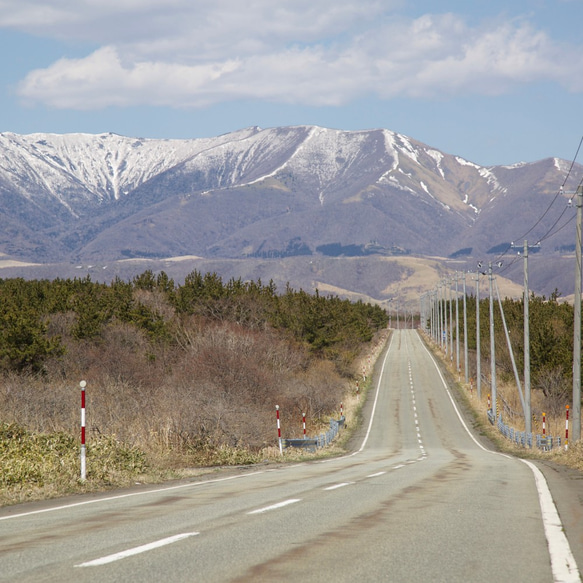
{"points": [[563, 564], [131, 495], [274, 506], [374, 406], [137, 550]]}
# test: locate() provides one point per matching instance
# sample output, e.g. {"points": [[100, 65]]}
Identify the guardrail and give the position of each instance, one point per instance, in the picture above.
{"points": [[319, 441], [544, 442]]}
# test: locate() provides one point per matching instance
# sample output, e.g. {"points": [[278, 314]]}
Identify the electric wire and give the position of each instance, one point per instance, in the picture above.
{"points": [[549, 232], [559, 192], [538, 221]]}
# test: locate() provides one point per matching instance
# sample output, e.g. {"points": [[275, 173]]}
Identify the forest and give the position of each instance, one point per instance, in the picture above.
{"points": [[176, 373]]}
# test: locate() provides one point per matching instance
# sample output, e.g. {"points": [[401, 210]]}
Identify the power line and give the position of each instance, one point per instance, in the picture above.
{"points": [[549, 233], [560, 191]]}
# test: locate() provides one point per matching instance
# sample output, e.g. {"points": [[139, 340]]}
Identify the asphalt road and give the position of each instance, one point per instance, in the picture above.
{"points": [[419, 499]]}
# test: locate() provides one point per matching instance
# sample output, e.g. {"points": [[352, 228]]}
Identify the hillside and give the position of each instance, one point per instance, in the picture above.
{"points": [[298, 197]]}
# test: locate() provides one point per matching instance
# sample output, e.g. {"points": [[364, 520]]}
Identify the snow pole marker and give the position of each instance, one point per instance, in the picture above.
{"points": [[83, 384], [279, 430], [567, 428]]}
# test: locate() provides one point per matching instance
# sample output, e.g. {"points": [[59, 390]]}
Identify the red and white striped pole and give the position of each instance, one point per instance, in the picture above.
{"points": [[341, 410], [83, 384], [544, 423], [567, 429], [304, 422], [279, 430]]}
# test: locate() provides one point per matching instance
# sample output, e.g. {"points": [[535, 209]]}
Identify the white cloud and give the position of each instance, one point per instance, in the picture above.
{"points": [[186, 53]]}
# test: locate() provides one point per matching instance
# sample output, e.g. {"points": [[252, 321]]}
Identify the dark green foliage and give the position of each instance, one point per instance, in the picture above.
{"points": [[23, 340], [329, 326], [551, 336]]}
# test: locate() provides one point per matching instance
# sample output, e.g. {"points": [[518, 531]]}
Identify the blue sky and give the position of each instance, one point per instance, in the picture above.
{"points": [[494, 82]]}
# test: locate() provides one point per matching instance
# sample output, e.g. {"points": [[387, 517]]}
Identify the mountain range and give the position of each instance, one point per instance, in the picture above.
{"points": [[372, 214]]}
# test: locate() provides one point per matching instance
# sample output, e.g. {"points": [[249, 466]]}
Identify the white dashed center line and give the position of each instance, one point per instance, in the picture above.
{"points": [[137, 550], [275, 506]]}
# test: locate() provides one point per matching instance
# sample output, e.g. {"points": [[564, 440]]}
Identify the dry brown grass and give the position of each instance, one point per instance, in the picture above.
{"points": [[510, 406], [210, 401]]}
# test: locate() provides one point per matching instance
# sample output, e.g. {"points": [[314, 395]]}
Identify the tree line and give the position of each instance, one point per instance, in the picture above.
{"points": [[551, 341], [327, 325], [176, 369]]}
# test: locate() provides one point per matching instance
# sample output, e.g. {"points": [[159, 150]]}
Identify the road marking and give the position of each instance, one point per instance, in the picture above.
{"points": [[274, 506], [132, 494], [399, 466], [336, 486], [137, 550], [563, 563], [376, 398], [376, 475]]}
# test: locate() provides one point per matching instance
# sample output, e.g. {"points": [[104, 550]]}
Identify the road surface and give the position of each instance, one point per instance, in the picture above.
{"points": [[419, 499]]}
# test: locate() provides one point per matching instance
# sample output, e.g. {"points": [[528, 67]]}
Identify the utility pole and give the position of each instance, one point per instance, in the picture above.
{"points": [[465, 332], [576, 410], [527, 386], [478, 343], [492, 345], [440, 315], [434, 316], [444, 316], [397, 313], [527, 412], [450, 301], [429, 314], [457, 324]]}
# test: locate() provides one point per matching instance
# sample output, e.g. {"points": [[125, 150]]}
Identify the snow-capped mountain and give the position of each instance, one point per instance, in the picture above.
{"points": [[275, 192]]}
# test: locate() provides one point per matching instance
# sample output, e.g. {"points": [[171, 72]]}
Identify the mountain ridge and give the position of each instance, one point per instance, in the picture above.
{"points": [[264, 194]]}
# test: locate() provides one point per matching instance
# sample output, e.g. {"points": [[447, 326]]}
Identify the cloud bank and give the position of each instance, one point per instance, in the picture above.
{"points": [[194, 53]]}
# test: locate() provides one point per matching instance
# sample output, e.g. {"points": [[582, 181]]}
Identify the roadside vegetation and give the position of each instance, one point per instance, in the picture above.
{"points": [[178, 376], [551, 363], [551, 346]]}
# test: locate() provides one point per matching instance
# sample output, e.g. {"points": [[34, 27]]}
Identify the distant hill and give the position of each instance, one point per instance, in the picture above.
{"points": [[292, 197]]}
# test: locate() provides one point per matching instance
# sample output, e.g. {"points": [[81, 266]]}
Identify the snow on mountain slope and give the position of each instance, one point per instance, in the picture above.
{"points": [[76, 172], [81, 169], [105, 167]]}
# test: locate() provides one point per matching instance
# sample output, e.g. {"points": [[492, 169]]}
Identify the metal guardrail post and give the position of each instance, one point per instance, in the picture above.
{"points": [[321, 440]]}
